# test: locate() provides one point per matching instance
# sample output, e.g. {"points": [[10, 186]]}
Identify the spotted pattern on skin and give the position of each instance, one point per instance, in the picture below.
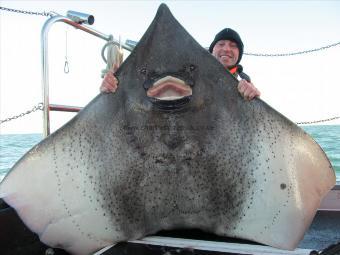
{"points": [[175, 182], [82, 167]]}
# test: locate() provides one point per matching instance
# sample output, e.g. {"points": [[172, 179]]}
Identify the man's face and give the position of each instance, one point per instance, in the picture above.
{"points": [[226, 52]]}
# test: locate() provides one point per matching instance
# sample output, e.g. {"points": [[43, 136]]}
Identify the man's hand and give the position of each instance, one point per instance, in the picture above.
{"points": [[110, 82], [247, 90]]}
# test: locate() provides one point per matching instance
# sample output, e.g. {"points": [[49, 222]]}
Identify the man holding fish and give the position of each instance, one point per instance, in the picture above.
{"points": [[227, 48]]}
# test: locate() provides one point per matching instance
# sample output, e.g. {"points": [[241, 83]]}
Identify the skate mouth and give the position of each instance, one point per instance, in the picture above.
{"points": [[169, 93], [169, 88]]}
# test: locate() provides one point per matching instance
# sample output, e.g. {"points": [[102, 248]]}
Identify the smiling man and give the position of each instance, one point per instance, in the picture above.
{"points": [[227, 48]]}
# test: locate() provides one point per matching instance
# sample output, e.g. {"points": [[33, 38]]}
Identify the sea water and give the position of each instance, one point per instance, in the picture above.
{"points": [[12, 147]]}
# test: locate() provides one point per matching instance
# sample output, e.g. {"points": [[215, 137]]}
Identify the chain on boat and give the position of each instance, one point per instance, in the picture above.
{"points": [[46, 14], [35, 108]]}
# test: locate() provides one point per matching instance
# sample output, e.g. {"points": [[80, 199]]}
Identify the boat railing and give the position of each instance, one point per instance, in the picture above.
{"points": [[77, 20]]}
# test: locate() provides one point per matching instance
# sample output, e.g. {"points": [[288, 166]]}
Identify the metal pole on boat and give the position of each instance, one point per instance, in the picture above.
{"points": [[76, 20]]}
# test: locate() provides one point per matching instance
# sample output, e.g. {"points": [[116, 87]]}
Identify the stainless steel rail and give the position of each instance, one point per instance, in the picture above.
{"points": [[45, 67]]}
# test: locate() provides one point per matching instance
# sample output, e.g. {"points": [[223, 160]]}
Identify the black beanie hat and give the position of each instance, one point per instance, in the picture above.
{"points": [[229, 34]]}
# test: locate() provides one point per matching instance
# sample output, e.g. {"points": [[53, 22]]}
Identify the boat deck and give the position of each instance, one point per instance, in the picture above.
{"points": [[324, 231]]}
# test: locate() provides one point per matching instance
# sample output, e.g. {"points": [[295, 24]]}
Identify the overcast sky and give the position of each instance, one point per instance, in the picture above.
{"points": [[304, 87]]}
